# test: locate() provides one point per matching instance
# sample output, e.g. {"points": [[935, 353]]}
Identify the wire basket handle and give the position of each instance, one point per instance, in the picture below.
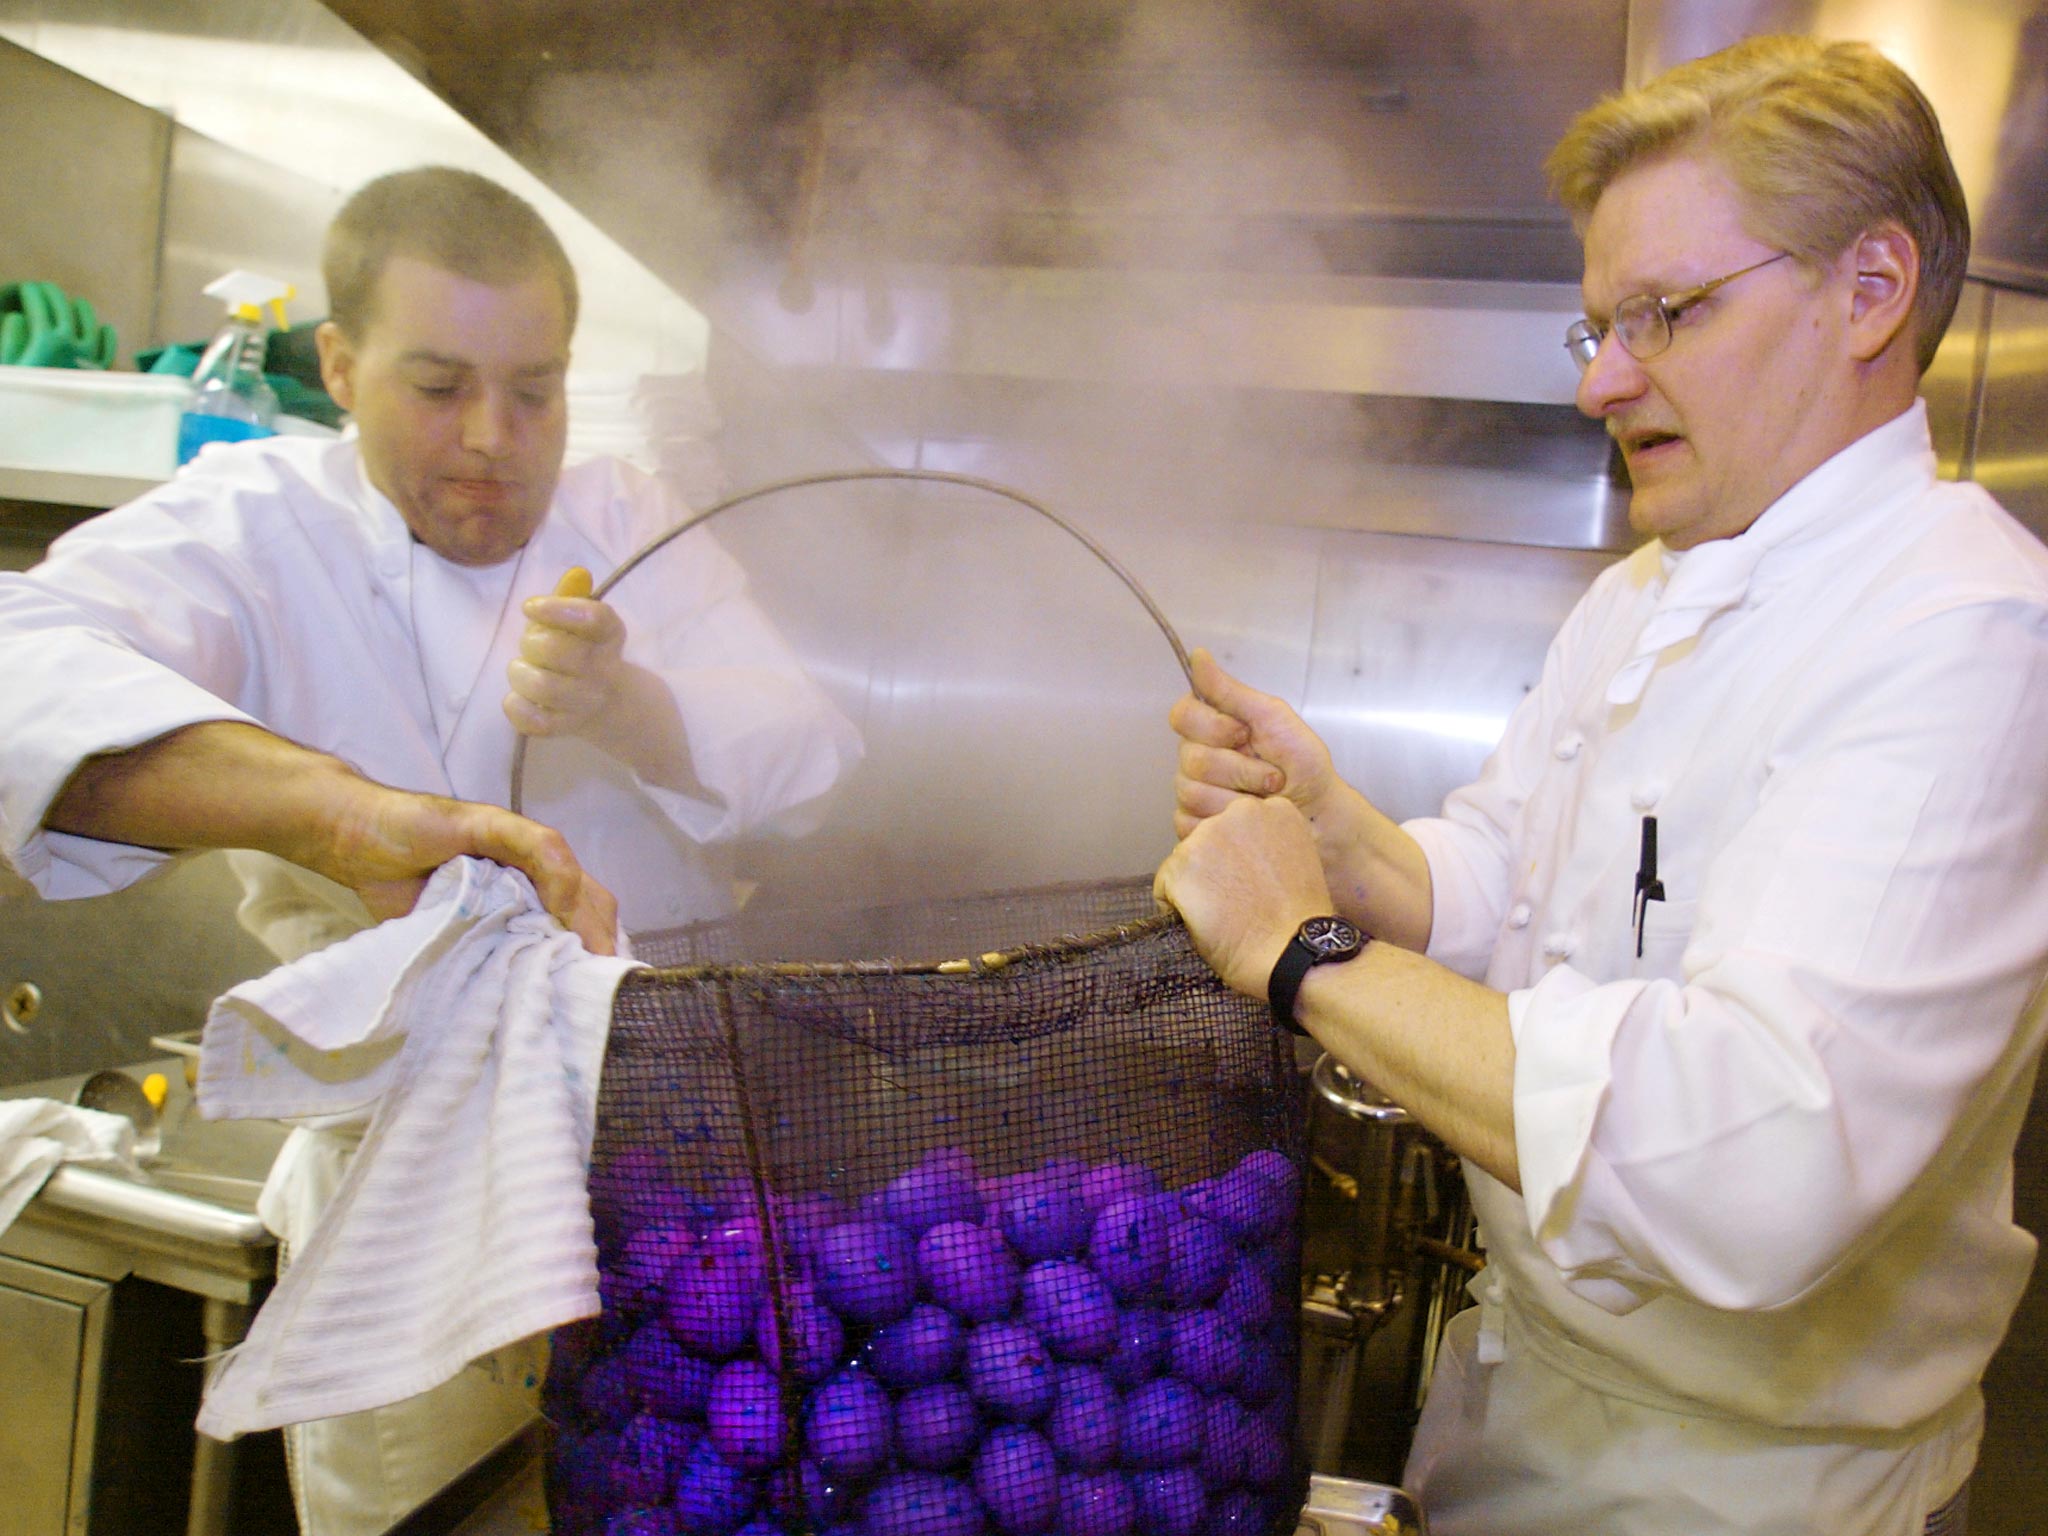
{"points": [[843, 476]]}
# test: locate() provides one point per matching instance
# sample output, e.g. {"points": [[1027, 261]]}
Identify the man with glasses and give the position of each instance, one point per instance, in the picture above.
{"points": [[1725, 979]]}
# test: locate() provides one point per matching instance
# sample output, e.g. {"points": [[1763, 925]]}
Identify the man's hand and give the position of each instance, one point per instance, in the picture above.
{"points": [[1242, 881], [1238, 742], [571, 662]]}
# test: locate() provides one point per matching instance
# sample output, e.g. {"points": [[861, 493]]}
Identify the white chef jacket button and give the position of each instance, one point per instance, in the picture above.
{"points": [[1558, 946], [1644, 797], [1568, 746], [1519, 915]]}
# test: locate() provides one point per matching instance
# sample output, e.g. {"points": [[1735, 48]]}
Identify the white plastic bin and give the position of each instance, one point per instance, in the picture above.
{"points": [[81, 421]]}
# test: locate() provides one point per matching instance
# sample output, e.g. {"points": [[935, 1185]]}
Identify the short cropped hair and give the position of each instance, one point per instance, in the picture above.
{"points": [[453, 219], [1824, 140]]}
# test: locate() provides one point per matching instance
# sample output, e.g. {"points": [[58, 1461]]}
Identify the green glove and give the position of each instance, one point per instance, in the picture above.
{"points": [[42, 327]]}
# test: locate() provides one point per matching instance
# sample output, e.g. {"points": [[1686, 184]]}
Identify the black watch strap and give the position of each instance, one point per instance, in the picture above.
{"points": [[1318, 941]]}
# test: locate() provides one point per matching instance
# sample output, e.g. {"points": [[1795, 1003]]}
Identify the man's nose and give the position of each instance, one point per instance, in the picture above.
{"points": [[1613, 377], [487, 424]]}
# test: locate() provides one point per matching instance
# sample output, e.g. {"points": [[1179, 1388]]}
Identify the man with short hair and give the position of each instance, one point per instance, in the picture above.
{"points": [[322, 654], [1725, 979]]}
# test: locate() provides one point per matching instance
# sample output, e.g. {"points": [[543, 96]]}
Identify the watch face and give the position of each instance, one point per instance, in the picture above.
{"points": [[1332, 938]]}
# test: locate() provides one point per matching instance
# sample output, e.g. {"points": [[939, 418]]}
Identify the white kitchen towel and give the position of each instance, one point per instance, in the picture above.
{"points": [[38, 1134], [474, 1028]]}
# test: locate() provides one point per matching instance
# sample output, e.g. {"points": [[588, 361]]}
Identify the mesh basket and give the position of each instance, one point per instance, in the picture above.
{"points": [[919, 1247]]}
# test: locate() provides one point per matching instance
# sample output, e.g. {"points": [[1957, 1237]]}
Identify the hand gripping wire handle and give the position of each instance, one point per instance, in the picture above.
{"points": [[841, 477]]}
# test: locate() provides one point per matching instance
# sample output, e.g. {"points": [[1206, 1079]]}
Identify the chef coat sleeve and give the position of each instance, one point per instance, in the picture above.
{"points": [[1862, 973], [763, 736], [127, 631]]}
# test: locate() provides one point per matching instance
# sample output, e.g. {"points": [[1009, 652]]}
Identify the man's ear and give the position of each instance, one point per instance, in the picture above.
{"points": [[337, 363], [1887, 279]]}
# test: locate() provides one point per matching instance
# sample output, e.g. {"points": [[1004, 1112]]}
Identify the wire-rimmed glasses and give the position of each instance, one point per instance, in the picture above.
{"points": [[1644, 321]]}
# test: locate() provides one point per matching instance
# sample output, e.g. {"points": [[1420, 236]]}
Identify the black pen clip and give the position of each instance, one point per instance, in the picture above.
{"points": [[1648, 887]]}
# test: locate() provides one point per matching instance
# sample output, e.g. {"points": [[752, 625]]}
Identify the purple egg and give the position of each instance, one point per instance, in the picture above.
{"points": [[1044, 1219], [1009, 1372], [1226, 1442], [936, 1426], [929, 1194], [1169, 1503], [1162, 1424], [1266, 1456], [804, 1497], [814, 1335], [1276, 1168], [799, 1219], [1086, 1421], [1240, 1514], [605, 1394], [1108, 1183], [1017, 1477], [647, 1458], [762, 1525], [1248, 1301], [1096, 1504], [968, 1271], [1205, 1350], [1129, 1246], [712, 1293], [636, 1278], [923, 1504], [1263, 1378], [745, 1415], [1071, 1308], [1141, 1349], [667, 1379], [713, 1497], [918, 1349], [1199, 1259], [867, 1271], [1248, 1207], [847, 1425]]}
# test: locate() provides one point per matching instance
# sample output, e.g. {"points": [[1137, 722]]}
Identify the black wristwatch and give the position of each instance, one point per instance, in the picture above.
{"points": [[1319, 941]]}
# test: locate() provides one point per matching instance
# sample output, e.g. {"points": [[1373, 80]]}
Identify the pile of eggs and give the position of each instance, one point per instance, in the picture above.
{"points": [[1070, 1350]]}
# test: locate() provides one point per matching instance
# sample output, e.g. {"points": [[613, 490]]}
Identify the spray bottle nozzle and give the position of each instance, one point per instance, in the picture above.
{"points": [[245, 294]]}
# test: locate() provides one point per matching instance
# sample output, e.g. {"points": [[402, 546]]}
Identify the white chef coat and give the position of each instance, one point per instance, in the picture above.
{"points": [[1766, 1167], [270, 582]]}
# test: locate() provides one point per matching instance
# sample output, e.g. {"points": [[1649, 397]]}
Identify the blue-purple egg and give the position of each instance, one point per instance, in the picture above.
{"points": [[1226, 1441], [867, 1271], [1043, 1218], [1240, 1514], [1162, 1424], [649, 1454], [1010, 1372], [605, 1394], [713, 1497], [1071, 1309], [1248, 1301], [1086, 1422], [1205, 1350], [848, 1425], [1107, 1183], [1263, 1378], [762, 1525], [637, 1276], [924, 1346], [968, 1271], [799, 1219], [667, 1379], [929, 1194], [713, 1292], [1017, 1477], [745, 1415], [1199, 1259], [1248, 1207], [923, 1504], [1266, 1455], [1276, 1168], [1141, 1347], [1169, 1503], [1129, 1246], [804, 1497], [814, 1335], [936, 1426], [1096, 1504]]}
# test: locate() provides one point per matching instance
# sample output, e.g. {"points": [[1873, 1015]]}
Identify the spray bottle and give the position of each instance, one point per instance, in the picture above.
{"points": [[230, 398]]}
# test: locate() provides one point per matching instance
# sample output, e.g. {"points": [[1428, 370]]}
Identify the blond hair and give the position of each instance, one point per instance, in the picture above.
{"points": [[453, 219], [1824, 141]]}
